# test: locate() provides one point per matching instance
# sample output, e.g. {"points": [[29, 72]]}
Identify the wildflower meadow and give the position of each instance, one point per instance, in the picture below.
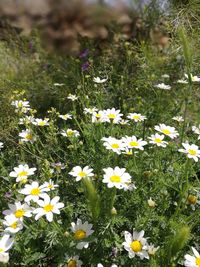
{"points": [[100, 150]]}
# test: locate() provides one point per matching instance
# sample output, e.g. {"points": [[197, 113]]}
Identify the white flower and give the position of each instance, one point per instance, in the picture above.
{"points": [[113, 115], [19, 210], [178, 118], [136, 117], [70, 133], [192, 151], [58, 84], [192, 261], [152, 249], [90, 110], [81, 231], [98, 80], [6, 243], [41, 122], [136, 244], [22, 172], [12, 224], [165, 76], [33, 191], [27, 136], [99, 116], [26, 120], [50, 185], [80, 173], [133, 142], [182, 81], [193, 78], [116, 177], [73, 262], [151, 203], [163, 86], [167, 130], [65, 117], [113, 144], [58, 166], [72, 97], [1, 145], [48, 207], [157, 139], [19, 104], [196, 130], [124, 122]]}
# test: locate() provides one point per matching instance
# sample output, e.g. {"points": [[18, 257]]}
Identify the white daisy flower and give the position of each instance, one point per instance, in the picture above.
{"points": [[193, 200], [128, 151], [41, 122], [70, 133], [81, 173], [157, 139], [194, 78], [50, 185], [27, 136], [90, 110], [65, 117], [98, 80], [113, 115], [113, 144], [152, 249], [22, 172], [192, 151], [182, 81], [19, 104], [196, 130], [163, 86], [165, 76], [1, 145], [58, 84], [136, 244], [26, 120], [167, 130], [73, 262], [34, 191], [81, 232], [136, 117], [58, 166], [133, 142], [48, 207], [117, 177], [6, 243], [19, 210], [178, 118], [192, 261], [99, 116], [12, 224], [72, 97], [124, 122]]}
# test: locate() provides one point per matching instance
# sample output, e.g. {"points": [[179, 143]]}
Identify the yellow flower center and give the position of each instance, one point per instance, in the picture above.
{"points": [[23, 173], [115, 146], [198, 262], [82, 174], [2, 250], [133, 143], [192, 199], [192, 152], [35, 191], [98, 116], [166, 131], [136, 246], [115, 179], [136, 117], [158, 140], [29, 137], [70, 133], [48, 207], [50, 186], [79, 234], [41, 123], [14, 225], [19, 213], [71, 263], [111, 116]]}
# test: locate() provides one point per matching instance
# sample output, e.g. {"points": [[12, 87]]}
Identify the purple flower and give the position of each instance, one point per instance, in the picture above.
{"points": [[85, 66], [84, 53]]}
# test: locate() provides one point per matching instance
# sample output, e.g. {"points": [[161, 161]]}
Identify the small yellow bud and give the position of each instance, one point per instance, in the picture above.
{"points": [[151, 203], [192, 199], [66, 234], [113, 211]]}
